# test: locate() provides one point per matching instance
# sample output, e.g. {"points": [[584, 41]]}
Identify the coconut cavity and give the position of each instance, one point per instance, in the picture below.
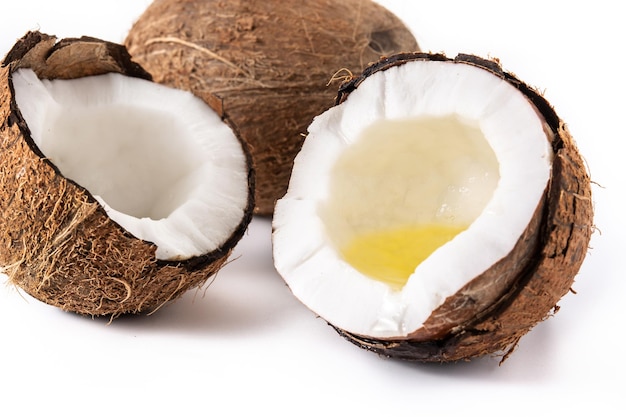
{"points": [[416, 185], [161, 162], [405, 188]]}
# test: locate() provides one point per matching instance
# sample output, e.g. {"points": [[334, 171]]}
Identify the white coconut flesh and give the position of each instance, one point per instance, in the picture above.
{"points": [[425, 177], [163, 164]]}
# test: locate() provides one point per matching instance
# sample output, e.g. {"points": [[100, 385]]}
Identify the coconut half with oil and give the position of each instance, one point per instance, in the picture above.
{"points": [[120, 193], [437, 213]]}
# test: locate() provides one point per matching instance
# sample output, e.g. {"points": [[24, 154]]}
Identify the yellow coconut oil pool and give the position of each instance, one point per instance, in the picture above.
{"points": [[403, 189], [391, 256]]}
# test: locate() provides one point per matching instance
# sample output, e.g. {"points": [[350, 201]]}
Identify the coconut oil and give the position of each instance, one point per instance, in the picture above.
{"points": [[404, 188], [391, 256]]}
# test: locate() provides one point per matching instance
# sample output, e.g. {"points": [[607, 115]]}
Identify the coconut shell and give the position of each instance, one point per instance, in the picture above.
{"points": [[492, 312], [265, 65], [56, 241]]}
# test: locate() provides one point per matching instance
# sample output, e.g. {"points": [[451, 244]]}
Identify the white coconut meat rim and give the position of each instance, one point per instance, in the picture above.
{"points": [[480, 158], [163, 164]]}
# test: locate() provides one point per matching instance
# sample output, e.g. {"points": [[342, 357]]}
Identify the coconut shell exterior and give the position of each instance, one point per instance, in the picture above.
{"points": [[265, 65], [56, 241], [491, 313]]}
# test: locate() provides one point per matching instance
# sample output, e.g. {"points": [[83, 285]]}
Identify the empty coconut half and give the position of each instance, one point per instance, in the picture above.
{"points": [[118, 194], [265, 65], [437, 212]]}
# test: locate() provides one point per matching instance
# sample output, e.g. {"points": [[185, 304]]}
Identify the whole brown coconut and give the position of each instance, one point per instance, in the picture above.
{"points": [[265, 65], [57, 243], [493, 310]]}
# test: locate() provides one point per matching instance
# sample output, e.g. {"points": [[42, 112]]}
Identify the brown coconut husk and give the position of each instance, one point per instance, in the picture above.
{"points": [[491, 313], [265, 65], [56, 241]]}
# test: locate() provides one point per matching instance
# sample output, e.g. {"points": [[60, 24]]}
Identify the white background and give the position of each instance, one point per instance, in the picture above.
{"points": [[244, 345]]}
